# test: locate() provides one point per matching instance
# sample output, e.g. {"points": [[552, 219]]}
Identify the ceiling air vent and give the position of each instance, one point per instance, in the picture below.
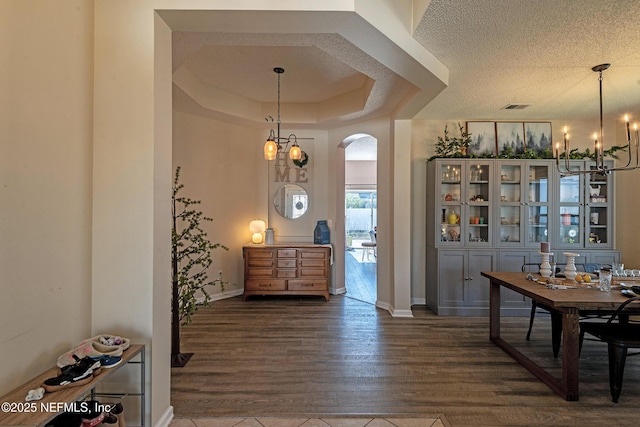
{"points": [[515, 106]]}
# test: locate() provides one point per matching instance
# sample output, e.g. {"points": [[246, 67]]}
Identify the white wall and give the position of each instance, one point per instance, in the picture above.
{"points": [[131, 177], [46, 52], [222, 166], [160, 368]]}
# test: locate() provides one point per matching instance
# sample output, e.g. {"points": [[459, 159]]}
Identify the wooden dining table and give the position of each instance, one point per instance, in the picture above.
{"points": [[569, 303]]}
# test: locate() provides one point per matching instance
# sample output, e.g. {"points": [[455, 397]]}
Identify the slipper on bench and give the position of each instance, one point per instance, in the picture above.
{"points": [[36, 394], [71, 378], [109, 342], [87, 349]]}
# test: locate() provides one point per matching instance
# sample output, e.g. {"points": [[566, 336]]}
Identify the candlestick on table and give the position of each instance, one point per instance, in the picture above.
{"points": [[545, 267], [570, 267]]}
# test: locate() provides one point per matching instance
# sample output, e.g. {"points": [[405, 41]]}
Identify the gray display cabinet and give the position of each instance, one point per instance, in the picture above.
{"points": [[521, 203], [525, 197], [463, 291], [584, 210], [464, 192]]}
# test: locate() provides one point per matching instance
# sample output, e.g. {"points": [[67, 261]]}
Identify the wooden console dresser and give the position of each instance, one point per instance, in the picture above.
{"points": [[286, 269]]}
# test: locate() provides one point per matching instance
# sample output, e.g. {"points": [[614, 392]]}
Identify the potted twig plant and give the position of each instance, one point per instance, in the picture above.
{"points": [[190, 260], [452, 146]]}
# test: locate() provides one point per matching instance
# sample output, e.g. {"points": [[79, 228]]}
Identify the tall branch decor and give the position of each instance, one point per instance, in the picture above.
{"points": [[190, 260]]}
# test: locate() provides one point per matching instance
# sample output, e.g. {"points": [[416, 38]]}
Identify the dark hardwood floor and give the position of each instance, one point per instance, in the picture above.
{"points": [[306, 357], [360, 277]]}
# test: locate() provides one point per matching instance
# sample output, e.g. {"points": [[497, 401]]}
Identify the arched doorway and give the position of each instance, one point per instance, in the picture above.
{"points": [[360, 217]]}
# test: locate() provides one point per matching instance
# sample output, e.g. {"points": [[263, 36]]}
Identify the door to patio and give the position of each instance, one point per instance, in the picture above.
{"points": [[361, 252]]}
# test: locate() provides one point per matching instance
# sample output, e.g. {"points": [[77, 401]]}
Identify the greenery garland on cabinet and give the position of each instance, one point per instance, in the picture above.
{"points": [[457, 147]]}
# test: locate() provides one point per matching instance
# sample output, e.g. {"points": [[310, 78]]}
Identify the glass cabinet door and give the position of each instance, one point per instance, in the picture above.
{"points": [[464, 203], [524, 203], [478, 203], [538, 197], [570, 210], [598, 190], [450, 178], [511, 203]]}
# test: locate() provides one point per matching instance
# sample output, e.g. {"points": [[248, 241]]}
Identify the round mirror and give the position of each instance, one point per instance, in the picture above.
{"points": [[291, 201]]}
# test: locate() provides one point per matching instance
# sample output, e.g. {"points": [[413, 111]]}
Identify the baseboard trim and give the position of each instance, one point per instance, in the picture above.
{"points": [[220, 296], [401, 313], [338, 291], [166, 418]]}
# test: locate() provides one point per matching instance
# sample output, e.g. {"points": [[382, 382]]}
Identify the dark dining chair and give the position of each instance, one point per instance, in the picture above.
{"points": [[620, 337], [556, 317]]}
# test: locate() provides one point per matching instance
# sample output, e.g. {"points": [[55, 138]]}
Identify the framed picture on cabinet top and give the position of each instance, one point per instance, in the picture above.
{"points": [[510, 136], [483, 138], [538, 138]]}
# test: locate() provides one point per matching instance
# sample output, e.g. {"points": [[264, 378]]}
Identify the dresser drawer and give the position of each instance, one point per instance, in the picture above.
{"points": [[265, 285], [307, 285], [286, 270], [287, 253], [309, 254], [259, 271], [255, 253], [287, 263], [259, 262], [286, 273], [313, 272], [313, 263]]}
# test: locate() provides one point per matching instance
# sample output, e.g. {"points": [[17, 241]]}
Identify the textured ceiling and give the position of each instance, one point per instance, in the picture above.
{"points": [[498, 52], [534, 52]]}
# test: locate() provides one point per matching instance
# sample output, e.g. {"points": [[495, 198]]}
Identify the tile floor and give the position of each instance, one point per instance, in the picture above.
{"points": [[309, 422]]}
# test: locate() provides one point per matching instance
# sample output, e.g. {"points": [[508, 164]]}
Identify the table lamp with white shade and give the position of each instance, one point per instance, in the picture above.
{"points": [[257, 227]]}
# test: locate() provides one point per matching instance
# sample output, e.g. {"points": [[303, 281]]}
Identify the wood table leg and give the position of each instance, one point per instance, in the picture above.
{"points": [[494, 311], [567, 386], [556, 332], [571, 352]]}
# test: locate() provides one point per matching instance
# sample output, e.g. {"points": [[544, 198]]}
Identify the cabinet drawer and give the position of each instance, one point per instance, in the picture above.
{"points": [[264, 285], [321, 263], [287, 253], [259, 262], [287, 263], [259, 271], [313, 272], [254, 253], [307, 285], [286, 273], [308, 254]]}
